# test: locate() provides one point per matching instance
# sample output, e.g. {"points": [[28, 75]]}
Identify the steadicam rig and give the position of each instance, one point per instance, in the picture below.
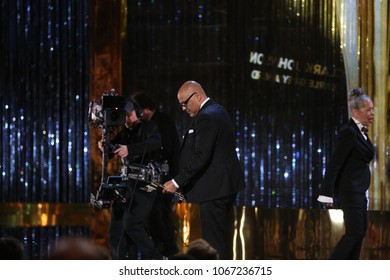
{"points": [[108, 113], [147, 177]]}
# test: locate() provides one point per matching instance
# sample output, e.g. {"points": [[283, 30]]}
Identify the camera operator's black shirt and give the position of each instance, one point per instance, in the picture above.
{"points": [[143, 142], [170, 141]]}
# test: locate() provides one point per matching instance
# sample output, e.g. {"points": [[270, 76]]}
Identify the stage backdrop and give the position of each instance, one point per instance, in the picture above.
{"points": [[275, 65], [44, 140], [44, 101]]}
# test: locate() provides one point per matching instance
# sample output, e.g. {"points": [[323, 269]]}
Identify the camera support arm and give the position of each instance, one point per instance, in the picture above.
{"points": [[105, 155]]}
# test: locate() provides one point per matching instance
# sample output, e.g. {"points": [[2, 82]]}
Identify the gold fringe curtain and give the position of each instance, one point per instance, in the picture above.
{"points": [[365, 44], [105, 74]]}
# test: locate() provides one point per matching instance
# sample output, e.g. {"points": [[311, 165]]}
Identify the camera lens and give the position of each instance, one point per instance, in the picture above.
{"points": [[115, 115]]}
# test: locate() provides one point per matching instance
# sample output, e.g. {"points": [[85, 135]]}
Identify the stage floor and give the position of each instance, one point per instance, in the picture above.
{"points": [[255, 233]]}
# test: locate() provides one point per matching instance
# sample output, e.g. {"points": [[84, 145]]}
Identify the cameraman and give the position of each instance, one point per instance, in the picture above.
{"points": [[162, 228], [138, 142]]}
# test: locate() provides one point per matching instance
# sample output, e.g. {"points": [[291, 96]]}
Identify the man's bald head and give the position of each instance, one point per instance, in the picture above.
{"points": [[191, 95]]}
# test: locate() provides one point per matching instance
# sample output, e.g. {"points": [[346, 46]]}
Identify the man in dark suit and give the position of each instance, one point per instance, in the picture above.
{"points": [[209, 171], [348, 176]]}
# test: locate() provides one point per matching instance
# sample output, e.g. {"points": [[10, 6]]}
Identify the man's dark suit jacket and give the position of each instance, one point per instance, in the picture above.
{"points": [[209, 167], [348, 170]]}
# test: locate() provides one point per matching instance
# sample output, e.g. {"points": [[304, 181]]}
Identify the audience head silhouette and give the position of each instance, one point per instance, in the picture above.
{"points": [[202, 250], [11, 249], [79, 249]]}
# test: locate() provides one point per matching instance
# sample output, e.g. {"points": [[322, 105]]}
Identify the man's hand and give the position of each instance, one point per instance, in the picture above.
{"points": [[100, 145], [122, 151], [169, 187]]}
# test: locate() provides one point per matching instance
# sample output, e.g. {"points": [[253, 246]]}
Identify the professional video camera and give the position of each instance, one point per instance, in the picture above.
{"points": [[108, 111]]}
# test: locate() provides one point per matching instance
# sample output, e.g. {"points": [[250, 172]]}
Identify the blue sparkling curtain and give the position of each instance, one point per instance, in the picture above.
{"points": [[286, 112], [40, 241], [44, 101], [275, 65]]}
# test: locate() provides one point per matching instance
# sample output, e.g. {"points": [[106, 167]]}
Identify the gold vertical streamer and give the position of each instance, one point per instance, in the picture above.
{"points": [[105, 67], [369, 29], [349, 43], [374, 76], [380, 76]]}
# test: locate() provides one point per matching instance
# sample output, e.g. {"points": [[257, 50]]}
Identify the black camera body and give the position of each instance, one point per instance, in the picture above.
{"points": [[109, 111], [114, 110]]}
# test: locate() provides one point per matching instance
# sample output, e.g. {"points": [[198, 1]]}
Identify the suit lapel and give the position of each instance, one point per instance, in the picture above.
{"points": [[191, 127], [193, 123], [367, 143]]}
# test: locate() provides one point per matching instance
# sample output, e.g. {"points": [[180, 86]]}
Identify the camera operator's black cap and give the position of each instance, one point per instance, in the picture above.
{"points": [[129, 106], [132, 105]]}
